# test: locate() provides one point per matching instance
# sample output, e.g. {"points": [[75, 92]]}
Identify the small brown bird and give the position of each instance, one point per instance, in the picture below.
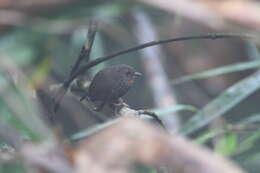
{"points": [[111, 83]]}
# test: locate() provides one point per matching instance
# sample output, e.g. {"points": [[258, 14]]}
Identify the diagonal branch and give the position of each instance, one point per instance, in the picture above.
{"points": [[97, 61], [149, 44], [84, 55], [86, 48]]}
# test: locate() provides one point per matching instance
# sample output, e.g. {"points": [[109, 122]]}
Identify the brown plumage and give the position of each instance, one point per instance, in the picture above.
{"points": [[111, 83]]}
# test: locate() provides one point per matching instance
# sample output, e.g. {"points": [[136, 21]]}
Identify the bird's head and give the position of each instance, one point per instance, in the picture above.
{"points": [[129, 73]]}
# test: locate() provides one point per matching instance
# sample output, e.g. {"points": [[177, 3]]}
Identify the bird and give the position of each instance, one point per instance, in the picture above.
{"points": [[110, 84]]}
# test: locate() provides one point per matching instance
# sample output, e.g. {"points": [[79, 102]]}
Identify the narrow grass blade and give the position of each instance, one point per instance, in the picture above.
{"points": [[218, 71], [176, 108], [251, 119], [248, 142], [18, 109], [85, 133], [223, 103], [202, 139]]}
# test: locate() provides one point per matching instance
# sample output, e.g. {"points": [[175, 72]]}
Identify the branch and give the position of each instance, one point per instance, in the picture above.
{"points": [[149, 44], [123, 111], [97, 61], [86, 48], [84, 55], [139, 142]]}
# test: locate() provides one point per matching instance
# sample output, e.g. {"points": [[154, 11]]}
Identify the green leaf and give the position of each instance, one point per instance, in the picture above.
{"points": [[205, 137], [219, 71], [18, 110], [21, 46], [248, 142], [227, 145], [85, 133], [7, 117], [251, 119], [223, 103], [14, 166], [175, 108]]}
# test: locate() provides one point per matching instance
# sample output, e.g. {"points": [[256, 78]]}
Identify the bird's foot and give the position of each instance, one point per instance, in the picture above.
{"points": [[119, 104]]}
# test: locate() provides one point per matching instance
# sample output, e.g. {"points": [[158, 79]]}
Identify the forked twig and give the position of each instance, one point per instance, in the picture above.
{"points": [[84, 56]]}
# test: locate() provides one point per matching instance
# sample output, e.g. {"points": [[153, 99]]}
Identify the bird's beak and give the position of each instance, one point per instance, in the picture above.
{"points": [[137, 74]]}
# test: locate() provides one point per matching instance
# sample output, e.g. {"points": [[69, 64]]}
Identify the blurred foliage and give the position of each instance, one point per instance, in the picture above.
{"points": [[139, 168], [19, 111], [48, 44], [227, 144], [219, 71], [223, 103], [14, 167]]}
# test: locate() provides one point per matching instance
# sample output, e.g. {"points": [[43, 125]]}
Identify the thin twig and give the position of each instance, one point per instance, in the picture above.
{"points": [[84, 55], [97, 61], [149, 44], [86, 48]]}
